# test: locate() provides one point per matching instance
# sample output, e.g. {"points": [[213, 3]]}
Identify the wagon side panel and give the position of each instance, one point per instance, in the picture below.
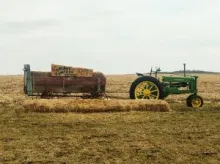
{"points": [[44, 81]]}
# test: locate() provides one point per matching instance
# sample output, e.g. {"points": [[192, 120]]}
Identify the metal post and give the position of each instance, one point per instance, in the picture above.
{"points": [[28, 87]]}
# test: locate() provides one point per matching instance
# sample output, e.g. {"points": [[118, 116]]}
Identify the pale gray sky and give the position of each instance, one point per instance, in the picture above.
{"points": [[112, 36]]}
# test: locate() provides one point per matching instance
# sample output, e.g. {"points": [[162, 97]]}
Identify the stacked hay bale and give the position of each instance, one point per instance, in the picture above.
{"points": [[60, 70]]}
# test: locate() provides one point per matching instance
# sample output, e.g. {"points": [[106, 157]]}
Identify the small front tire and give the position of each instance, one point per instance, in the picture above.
{"points": [[194, 101]]}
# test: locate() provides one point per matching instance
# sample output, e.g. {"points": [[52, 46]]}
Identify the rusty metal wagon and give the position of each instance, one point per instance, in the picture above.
{"points": [[64, 81]]}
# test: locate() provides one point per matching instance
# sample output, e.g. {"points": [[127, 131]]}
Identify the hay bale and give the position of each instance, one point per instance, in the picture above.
{"points": [[91, 105], [60, 70]]}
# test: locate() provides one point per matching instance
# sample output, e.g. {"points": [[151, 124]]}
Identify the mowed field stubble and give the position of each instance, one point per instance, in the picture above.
{"points": [[183, 135]]}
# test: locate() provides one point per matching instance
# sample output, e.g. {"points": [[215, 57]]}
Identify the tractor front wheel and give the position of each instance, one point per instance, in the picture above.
{"points": [[194, 101], [146, 87]]}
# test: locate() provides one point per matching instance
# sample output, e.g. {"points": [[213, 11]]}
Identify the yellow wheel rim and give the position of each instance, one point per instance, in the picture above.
{"points": [[147, 90], [196, 102]]}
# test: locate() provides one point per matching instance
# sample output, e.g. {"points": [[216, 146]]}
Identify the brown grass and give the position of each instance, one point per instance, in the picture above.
{"points": [[186, 135], [89, 106], [11, 90]]}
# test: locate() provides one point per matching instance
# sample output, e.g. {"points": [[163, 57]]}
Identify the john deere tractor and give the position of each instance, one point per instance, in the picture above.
{"points": [[148, 87]]}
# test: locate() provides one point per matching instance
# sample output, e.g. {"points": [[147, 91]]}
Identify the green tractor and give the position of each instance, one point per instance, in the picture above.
{"points": [[148, 87]]}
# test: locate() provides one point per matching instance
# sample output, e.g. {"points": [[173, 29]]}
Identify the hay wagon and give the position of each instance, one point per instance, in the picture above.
{"points": [[64, 81]]}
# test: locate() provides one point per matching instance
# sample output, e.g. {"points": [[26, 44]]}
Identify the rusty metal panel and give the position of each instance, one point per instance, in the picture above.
{"points": [[60, 84], [40, 74], [60, 70]]}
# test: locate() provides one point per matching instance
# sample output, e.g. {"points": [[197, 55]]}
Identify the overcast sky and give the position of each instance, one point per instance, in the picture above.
{"points": [[112, 36]]}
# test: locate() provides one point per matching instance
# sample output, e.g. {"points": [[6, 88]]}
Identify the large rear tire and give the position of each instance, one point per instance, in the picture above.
{"points": [[146, 87]]}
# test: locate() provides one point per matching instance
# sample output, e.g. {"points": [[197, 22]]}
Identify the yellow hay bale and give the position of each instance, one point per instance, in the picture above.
{"points": [[60, 70], [91, 105]]}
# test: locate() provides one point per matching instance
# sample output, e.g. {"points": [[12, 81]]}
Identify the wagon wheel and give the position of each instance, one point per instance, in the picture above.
{"points": [[97, 95], [46, 94], [146, 87], [194, 101]]}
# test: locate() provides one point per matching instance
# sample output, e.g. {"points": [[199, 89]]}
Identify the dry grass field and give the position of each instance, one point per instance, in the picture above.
{"points": [[184, 135]]}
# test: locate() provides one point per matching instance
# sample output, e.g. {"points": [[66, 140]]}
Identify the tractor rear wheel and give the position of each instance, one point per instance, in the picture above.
{"points": [[194, 101], [146, 87]]}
